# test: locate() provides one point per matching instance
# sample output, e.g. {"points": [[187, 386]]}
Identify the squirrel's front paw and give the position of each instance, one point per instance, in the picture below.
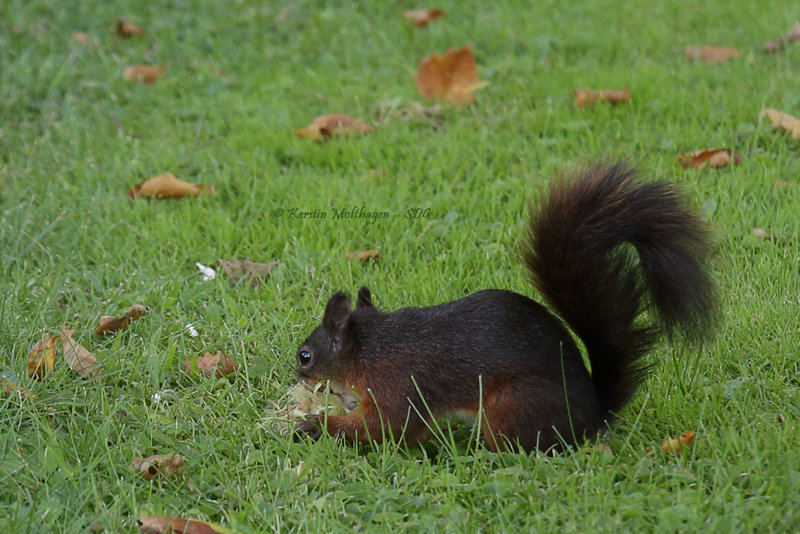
{"points": [[309, 428]]}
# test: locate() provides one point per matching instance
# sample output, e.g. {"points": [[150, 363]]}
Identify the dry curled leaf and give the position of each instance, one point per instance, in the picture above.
{"points": [[157, 524], [780, 43], [144, 73], [249, 270], [452, 78], [209, 364], [711, 54], [80, 37], [42, 357], [783, 121], [674, 446], [77, 357], [126, 28], [109, 324], [587, 97], [167, 186], [165, 464], [709, 158], [422, 17], [333, 125], [364, 255]]}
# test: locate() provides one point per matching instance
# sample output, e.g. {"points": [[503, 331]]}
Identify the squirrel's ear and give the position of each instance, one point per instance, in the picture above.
{"points": [[337, 312], [364, 298]]}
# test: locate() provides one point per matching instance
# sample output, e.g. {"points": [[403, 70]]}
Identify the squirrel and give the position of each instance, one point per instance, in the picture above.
{"points": [[619, 261]]}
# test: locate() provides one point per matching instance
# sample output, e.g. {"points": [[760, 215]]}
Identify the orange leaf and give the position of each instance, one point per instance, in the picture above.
{"points": [[126, 28], [709, 157], [421, 17], [144, 73], [167, 186], [42, 357], [587, 97], [333, 125], [674, 446], [166, 464], [783, 121], [154, 524], [452, 78], [711, 54], [364, 255], [80, 37], [109, 324], [217, 365], [78, 358]]}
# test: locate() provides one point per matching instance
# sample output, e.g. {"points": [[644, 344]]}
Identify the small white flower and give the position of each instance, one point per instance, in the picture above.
{"points": [[207, 272], [192, 330]]}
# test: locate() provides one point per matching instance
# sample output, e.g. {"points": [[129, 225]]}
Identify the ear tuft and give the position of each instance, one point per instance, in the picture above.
{"points": [[364, 298], [337, 312]]}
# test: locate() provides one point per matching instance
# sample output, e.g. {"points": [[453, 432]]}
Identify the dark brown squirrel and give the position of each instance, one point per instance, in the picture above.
{"points": [[603, 248]]}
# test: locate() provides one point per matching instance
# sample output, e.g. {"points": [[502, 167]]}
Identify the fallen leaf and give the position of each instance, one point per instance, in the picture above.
{"points": [[126, 28], [422, 17], [109, 324], [144, 73], [156, 524], [166, 464], [364, 255], [80, 37], [587, 97], [711, 54], [249, 270], [7, 387], [780, 43], [209, 364], [709, 157], [77, 357], [333, 125], [167, 186], [783, 121], [42, 357], [452, 78], [674, 446]]}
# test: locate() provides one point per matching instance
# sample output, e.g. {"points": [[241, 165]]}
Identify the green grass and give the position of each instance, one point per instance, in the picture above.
{"points": [[74, 136]]}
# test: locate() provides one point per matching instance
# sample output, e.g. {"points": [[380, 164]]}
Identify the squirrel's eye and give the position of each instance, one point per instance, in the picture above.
{"points": [[304, 357]]}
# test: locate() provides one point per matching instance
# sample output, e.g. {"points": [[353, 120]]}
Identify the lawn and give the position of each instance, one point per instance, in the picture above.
{"points": [[75, 136]]}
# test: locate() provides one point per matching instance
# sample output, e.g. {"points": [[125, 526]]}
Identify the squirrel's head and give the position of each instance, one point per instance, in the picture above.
{"points": [[332, 343]]}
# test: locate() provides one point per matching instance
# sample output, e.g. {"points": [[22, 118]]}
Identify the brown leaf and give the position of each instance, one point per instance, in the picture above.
{"points": [[249, 270], [674, 446], [7, 387], [144, 73], [587, 97], [166, 464], [711, 54], [783, 121], [333, 125], [126, 28], [42, 357], [779, 44], [209, 364], [364, 255], [109, 324], [167, 186], [155, 524], [709, 157], [421, 17], [452, 78], [77, 357], [80, 37]]}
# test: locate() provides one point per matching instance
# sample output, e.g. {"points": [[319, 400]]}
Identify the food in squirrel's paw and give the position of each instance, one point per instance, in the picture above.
{"points": [[620, 263]]}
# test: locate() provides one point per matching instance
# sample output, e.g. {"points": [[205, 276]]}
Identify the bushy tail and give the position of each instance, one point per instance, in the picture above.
{"points": [[602, 250]]}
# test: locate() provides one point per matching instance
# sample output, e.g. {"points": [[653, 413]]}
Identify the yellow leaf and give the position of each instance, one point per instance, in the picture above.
{"points": [[42, 357], [452, 78], [783, 121]]}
